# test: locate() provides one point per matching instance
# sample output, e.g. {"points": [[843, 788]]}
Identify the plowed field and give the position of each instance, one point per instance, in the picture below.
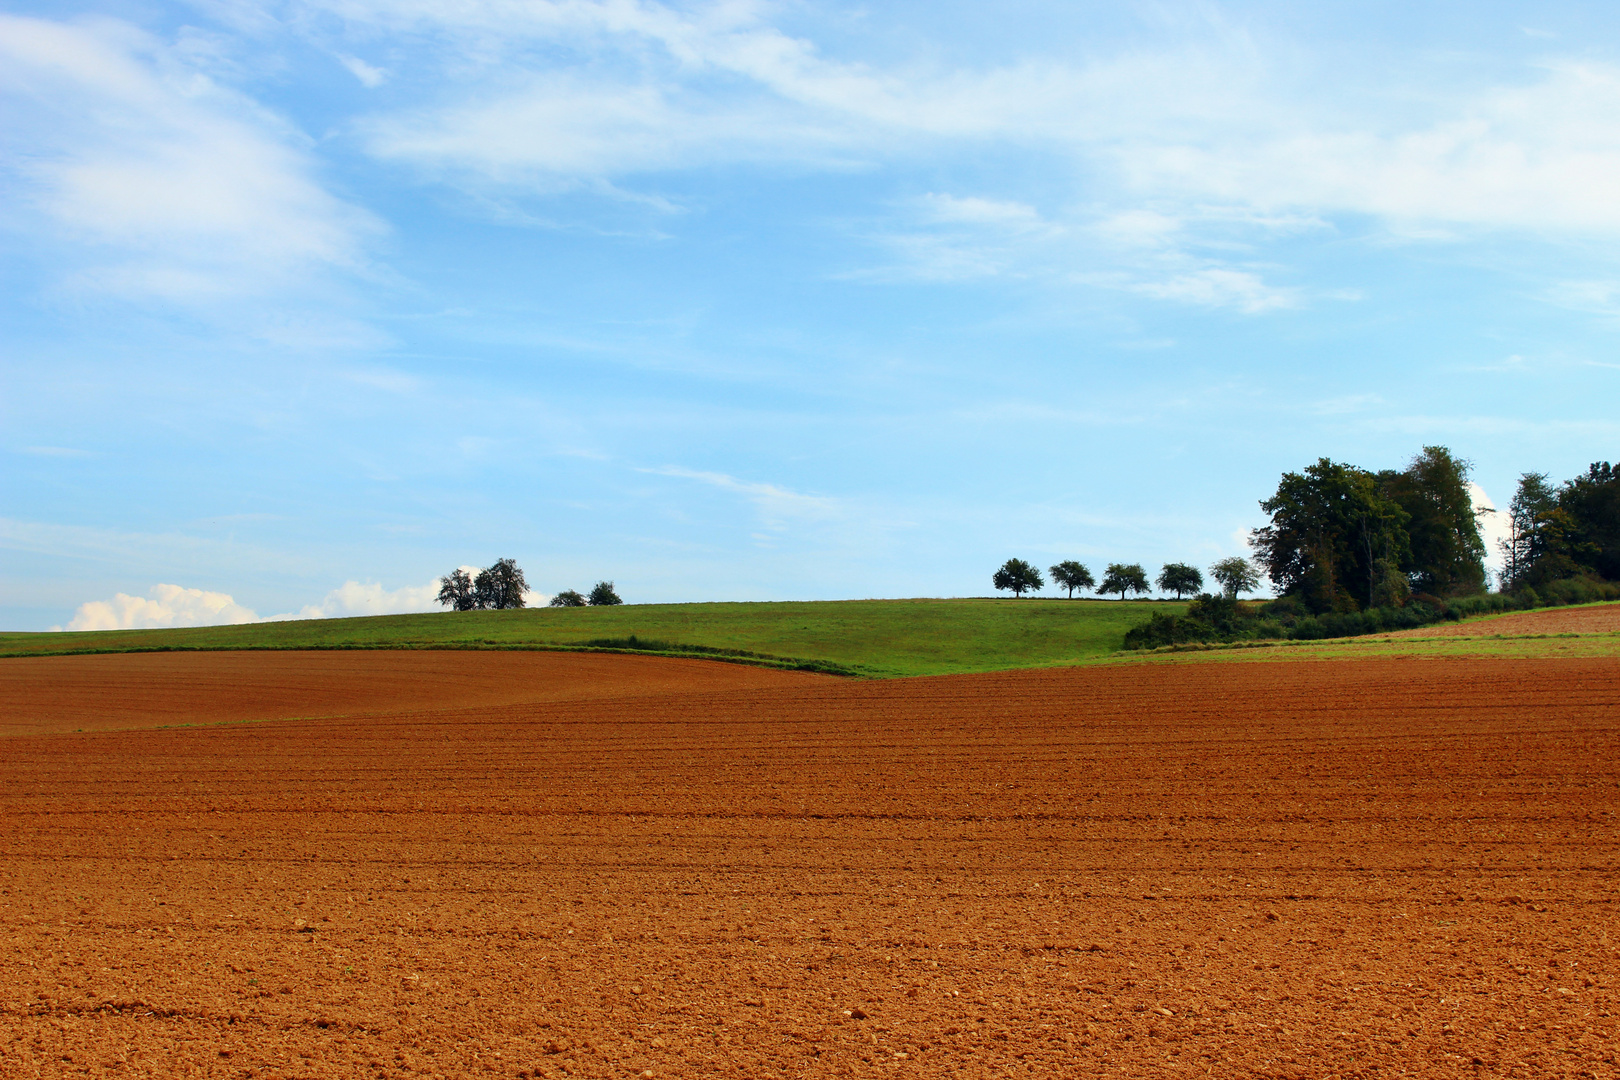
{"points": [[1594, 619], [1353, 868]]}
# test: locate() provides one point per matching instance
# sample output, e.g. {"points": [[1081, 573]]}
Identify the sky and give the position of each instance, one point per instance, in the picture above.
{"points": [[304, 304]]}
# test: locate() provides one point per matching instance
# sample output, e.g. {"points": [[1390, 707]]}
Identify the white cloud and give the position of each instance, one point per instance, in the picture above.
{"points": [[176, 605], [1541, 155], [1493, 526], [168, 183], [1214, 120], [353, 598], [164, 605]]}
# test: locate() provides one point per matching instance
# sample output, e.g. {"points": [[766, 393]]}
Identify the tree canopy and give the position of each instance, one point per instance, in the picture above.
{"points": [[1071, 575], [1123, 578], [1569, 531], [1335, 539], [456, 591], [1018, 576], [1447, 556], [567, 598], [495, 588], [500, 587], [1236, 575], [1592, 501], [602, 595], [1180, 578], [1344, 539]]}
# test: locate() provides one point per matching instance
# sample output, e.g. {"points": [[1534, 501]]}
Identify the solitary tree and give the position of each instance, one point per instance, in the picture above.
{"points": [[1017, 575], [1178, 577], [602, 595], [568, 598], [1072, 575], [500, 586], [1236, 575], [456, 591], [1123, 578]]}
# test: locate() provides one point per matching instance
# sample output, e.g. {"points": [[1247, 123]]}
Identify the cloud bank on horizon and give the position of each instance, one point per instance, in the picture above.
{"points": [[176, 605], [750, 300]]}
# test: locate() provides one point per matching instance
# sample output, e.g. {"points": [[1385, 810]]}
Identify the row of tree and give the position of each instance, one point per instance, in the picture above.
{"points": [[1235, 575], [501, 587]]}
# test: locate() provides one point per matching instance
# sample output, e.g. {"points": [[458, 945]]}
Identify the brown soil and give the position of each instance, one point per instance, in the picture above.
{"points": [[1598, 619], [42, 695], [1356, 868]]}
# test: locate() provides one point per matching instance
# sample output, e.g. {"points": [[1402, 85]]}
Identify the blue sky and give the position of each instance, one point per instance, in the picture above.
{"points": [[305, 304]]}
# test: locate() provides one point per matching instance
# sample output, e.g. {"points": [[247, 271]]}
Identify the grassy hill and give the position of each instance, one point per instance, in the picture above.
{"points": [[859, 637]]}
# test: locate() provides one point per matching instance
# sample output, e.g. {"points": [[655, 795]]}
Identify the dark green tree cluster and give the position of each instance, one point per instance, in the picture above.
{"points": [[495, 588], [1343, 539], [1355, 552], [601, 595], [1566, 532]]}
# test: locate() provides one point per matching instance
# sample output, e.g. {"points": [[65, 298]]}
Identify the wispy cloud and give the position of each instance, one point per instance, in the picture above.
{"points": [[1212, 119], [774, 502], [370, 77], [1218, 287], [168, 183]]}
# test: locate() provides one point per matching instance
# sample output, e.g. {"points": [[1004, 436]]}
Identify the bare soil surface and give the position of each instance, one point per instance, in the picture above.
{"points": [[1596, 619], [41, 695], [1353, 868]]}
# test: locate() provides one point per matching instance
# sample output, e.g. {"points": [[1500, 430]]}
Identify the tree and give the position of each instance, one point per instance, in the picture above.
{"points": [[602, 595], [1543, 543], [456, 591], [1124, 577], [1017, 575], [1236, 575], [1592, 502], [1071, 575], [1447, 556], [1180, 578], [500, 587], [1335, 539], [567, 598]]}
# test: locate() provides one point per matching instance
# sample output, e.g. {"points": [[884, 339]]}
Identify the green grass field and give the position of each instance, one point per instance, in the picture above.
{"points": [[874, 638], [871, 638]]}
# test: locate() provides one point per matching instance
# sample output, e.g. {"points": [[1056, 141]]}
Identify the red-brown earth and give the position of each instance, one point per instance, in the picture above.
{"points": [[1593, 619], [1350, 868]]}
